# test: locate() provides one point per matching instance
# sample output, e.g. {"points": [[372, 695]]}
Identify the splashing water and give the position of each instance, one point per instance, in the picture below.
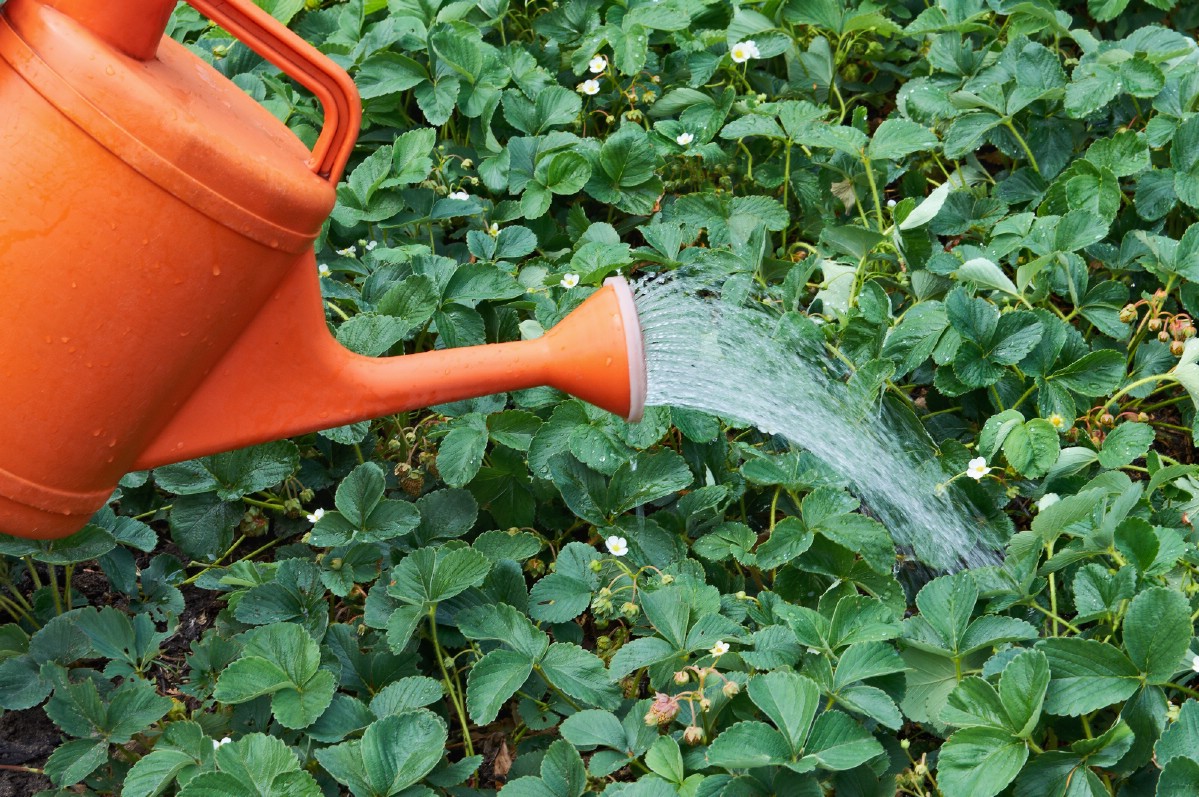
{"points": [[707, 354]]}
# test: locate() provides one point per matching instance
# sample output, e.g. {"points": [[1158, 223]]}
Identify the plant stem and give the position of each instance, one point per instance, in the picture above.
{"points": [[17, 611], [53, 576], [1069, 626], [1133, 386], [262, 504], [1023, 144], [467, 743], [1186, 690], [878, 205], [37, 581]]}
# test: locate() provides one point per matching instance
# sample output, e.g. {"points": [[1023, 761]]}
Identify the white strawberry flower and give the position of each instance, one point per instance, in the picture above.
{"points": [[315, 516], [324, 270], [684, 139], [569, 280], [216, 745], [493, 229], [744, 51], [349, 251], [598, 64], [589, 87], [617, 546], [370, 245], [977, 468], [1195, 664], [1056, 421], [462, 195], [720, 648], [1047, 500]]}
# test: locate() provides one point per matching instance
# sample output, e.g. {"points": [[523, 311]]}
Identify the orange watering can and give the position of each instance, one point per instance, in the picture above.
{"points": [[159, 296]]}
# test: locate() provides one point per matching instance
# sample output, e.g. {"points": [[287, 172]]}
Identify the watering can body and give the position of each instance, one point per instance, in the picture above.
{"points": [[160, 292]]}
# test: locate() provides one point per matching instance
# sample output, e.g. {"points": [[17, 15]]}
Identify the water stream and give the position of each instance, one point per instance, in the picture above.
{"points": [[726, 359]]}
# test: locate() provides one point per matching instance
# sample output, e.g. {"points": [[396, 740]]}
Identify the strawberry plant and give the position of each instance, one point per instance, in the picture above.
{"points": [[985, 211]]}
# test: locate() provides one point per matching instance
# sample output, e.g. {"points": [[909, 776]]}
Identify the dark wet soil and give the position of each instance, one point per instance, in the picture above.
{"points": [[26, 739]]}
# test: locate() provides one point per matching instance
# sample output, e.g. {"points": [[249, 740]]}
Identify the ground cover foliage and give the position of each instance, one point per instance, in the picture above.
{"points": [[990, 206]]}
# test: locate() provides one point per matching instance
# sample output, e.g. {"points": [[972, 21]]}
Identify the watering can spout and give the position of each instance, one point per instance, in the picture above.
{"points": [[286, 375]]}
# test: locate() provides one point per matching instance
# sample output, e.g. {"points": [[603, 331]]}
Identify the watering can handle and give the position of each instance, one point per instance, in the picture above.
{"points": [[309, 67]]}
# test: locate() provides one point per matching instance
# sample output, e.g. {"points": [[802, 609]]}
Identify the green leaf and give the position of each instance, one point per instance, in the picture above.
{"points": [[462, 54], [897, 138], [506, 624], [1126, 443], [1181, 738], [1087, 675], [393, 754], [282, 10], [790, 701], [461, 453], [232, 475], [73, 761], [746, 745], [281, 660], [665, 759], [1096, 374], [1022, 689], [433, 575], [1157, 632], [580, 674], [413, 301], [838, 743], [154, 773], [555, 106], [1032, 448], [566, 172], [979, 762], [648, 477], [385, 73], [492, 681], [624, 173], [437, 99], [986, 274], [1179, 778]]}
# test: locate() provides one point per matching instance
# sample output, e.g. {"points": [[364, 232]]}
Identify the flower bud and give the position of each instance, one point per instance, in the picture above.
{"points": [[603, 642], [1163, 336], [664, 709], [904, 744], [681, 677], [1155, 324], [335, 563], [630, 609], [667, 579], [1128, 313], [705, 704], [693, 735], [731, 688], [1107, 420], [1143, 417], [596, 565], [467, 163], [1177, 348]]}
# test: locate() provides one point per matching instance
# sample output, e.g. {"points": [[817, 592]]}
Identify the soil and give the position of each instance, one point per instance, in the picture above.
{"points": [[26, 739]]}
